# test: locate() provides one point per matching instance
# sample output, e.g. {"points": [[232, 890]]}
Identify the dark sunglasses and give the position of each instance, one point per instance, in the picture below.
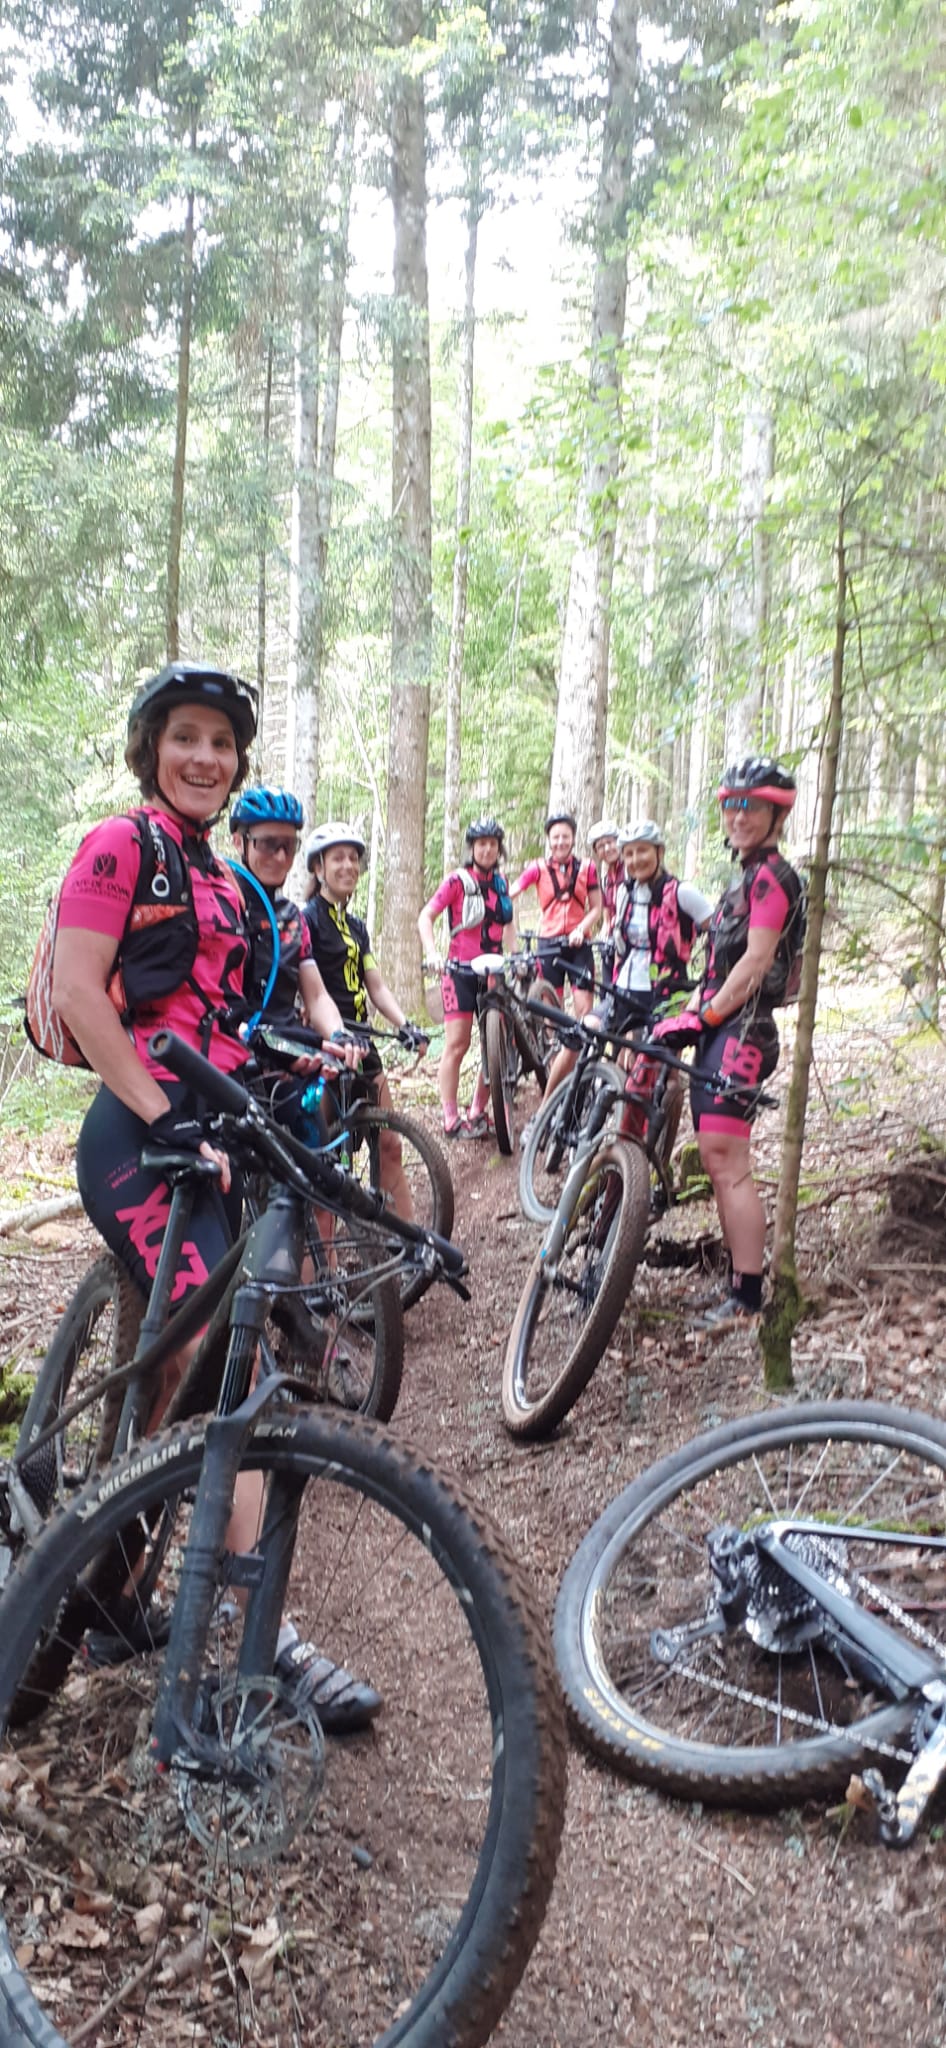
{"points": [[268, 844], [744, 803]]}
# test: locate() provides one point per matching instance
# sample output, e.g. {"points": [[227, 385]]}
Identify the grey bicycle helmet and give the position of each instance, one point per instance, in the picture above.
{"points": [[198, 682], [335, 832], [266, 807], [485, 828], [561, 818], [642, 829], [758, 775]]}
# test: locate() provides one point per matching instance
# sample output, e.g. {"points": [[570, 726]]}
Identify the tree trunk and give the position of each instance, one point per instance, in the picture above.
{"points": [[411, 576], [752, 594], [578, 762], [786, 1305], [706, 724], [318, 382], [176, 523], [302, 709], [461, 559], [263, 548]]}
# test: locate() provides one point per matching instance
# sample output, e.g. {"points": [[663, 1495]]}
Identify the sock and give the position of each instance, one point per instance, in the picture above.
{"points": [[480, 1097], [288, 1634], [450, 1114], [747, 1288]]}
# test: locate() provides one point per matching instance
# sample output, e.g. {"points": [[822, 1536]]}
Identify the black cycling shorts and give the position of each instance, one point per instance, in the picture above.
{"points": [[560, 962], [459, 988], [130, 1208], [745, 1048]]}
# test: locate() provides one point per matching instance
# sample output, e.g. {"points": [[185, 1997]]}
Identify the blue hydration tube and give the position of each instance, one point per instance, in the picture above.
{"points": [[239, 869]]}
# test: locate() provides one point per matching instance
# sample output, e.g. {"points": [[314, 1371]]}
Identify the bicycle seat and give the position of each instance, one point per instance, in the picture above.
{"points": [[176, 1166]]}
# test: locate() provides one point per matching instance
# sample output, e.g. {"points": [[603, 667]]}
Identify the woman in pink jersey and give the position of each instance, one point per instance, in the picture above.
{"points": [[151, 936], [476, 901], [753, 937]]}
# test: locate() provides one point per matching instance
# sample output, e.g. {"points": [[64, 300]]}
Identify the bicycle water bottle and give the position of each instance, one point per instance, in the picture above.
{"points": [[311, 1118]]}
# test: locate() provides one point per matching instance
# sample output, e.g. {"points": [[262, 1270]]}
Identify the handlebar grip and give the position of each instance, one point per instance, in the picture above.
{"points": [[219, 1091]]}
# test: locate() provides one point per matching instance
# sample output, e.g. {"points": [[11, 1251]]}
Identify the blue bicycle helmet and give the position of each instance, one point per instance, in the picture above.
{"points": [[265, 807]]}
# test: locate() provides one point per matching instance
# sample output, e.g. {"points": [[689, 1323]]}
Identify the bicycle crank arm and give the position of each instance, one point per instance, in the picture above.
{"points": [[899, 1813]]}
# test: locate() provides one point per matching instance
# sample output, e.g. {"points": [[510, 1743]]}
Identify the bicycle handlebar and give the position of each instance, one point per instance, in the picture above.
{"points": [[312, 1173]]}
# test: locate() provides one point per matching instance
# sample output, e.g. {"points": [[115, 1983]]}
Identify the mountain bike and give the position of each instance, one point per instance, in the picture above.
{"points": [[101, 1326], [513, 1030], [557, 1130], [387, 1885], [761, 1614], [356, 1128], [584, 1270]]}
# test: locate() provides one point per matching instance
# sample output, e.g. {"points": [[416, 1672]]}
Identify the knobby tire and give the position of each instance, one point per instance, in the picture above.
{"points": [[404, 1901]]}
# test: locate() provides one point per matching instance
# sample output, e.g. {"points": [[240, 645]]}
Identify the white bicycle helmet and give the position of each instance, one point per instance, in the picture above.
{"points": [[645, 829], [603, 828], [335, 832]]}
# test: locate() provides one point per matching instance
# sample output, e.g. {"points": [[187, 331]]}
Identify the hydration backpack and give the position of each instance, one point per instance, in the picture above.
{"points": [[476, 912], [156, 952]]}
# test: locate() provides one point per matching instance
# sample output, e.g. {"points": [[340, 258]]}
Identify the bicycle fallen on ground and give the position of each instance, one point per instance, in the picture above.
{"points": [[760, 1616], [246, 1874]]}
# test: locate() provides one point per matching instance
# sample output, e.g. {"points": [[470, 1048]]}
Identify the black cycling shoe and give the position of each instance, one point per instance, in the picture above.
{"points": [[344, 1704], [143, 1634]]}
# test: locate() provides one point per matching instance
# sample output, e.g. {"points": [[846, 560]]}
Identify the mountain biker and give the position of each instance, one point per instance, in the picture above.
{"points": [[182, 958], [341, 944], [570, 902], [265, 825], [752, 940], [656, 920], [476, 899], [605, 852]]}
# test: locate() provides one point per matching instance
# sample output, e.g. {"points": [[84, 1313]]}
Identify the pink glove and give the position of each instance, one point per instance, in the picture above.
{"points": [[687, 1028]]}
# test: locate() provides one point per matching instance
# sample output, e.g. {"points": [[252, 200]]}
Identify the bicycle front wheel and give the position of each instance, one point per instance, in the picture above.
{"points": [[98, 1330], [765, 1712], [572, 1302], [385, 1886], [425, 1169], [503, 1069], [555, 1136]]}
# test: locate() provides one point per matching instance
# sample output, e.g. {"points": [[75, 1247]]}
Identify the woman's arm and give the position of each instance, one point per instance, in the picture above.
{"points": [[81, 971], [383, 998]]}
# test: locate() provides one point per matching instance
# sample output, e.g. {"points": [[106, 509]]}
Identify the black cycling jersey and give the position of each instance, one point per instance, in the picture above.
{"points": [[341, 947], [293, 951]]}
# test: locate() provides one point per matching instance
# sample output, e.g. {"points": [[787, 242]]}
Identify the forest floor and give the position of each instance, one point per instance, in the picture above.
{"points": [[671, 1924]]}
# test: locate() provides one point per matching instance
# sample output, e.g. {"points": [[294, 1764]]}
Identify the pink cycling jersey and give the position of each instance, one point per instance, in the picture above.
{"points": [[97, 896], [465, 944]]}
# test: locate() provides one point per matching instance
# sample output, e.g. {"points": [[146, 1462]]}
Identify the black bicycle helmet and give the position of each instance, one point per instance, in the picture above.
{"points": [[265, 807], [561, 818], [485, 828], [198, 682], [759, 775]]}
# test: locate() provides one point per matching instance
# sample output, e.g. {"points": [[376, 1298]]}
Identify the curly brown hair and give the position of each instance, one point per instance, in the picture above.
{"points": [[141, 753]]}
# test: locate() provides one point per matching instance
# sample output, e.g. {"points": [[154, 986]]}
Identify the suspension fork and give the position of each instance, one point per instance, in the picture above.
{"points": [[274, 1257]]}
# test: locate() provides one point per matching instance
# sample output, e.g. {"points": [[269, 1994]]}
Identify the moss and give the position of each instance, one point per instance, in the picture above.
{"points": [[779, 1323], [15, 1391]]}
